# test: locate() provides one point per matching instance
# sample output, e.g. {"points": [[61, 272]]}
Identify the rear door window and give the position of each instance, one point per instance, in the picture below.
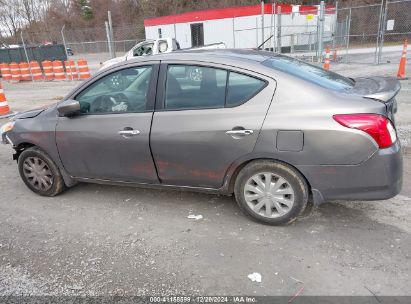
{"points": [[241, 88], [193, 87], [199, 87]]}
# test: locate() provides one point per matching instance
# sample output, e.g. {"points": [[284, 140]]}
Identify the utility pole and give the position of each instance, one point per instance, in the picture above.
{"points": [[279, 29], [108, 40], [321, 32], [65, 50], [64, 40], [335, 26], [382, 33], [110, 24], [272, 27], [262, 22], [25, 52]]}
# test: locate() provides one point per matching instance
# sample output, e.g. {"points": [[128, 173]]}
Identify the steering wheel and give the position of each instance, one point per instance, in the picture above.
{"points": [[101, 104], [121, 97], [108, 103]]}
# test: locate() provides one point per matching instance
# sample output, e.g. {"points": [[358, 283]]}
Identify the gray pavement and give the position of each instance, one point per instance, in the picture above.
{"points": [[106, 240]]}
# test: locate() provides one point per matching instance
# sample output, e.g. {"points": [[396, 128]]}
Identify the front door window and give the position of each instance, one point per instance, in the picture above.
{"points": [[120, 92]]}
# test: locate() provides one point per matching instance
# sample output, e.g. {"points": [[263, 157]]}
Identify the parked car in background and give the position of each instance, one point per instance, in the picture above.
{"points": [[69, 51], [274, 131], [154, 47], [145, 48]]}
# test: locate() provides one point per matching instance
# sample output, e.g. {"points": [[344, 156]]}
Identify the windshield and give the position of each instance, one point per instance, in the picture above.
{"points": [[309, 72]]}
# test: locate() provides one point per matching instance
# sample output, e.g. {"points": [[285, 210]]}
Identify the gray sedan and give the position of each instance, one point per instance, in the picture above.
{"points": [[274, 131]]}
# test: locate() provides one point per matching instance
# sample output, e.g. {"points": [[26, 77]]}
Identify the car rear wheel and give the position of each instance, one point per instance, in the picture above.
{"points": [[271, 192], [40, 173]]}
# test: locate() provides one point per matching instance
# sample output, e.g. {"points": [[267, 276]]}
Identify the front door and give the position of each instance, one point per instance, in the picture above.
{"points": [[109, 140], [209, 118]]}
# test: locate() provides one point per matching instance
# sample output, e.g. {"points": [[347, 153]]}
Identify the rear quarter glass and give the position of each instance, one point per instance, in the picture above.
{"points": [[309, 72]]}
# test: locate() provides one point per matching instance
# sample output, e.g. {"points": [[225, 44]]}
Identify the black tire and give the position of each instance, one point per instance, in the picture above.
{"points": [[56, 184], [292, 176]]}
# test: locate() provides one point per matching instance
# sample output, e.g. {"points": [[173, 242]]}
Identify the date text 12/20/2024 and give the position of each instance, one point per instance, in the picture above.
{"points": [[202, 299]]}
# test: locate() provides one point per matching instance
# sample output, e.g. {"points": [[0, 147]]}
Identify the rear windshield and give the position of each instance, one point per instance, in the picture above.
{"points": [[309, 72]]}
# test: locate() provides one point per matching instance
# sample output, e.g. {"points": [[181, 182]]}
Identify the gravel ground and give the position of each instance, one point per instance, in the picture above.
{"points": [[106, 240]]}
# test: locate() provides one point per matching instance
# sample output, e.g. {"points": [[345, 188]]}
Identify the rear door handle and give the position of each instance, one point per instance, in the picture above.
{"points": [[239, 132], [128, 133]]}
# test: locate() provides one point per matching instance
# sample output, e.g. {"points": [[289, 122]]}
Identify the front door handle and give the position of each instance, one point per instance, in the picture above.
{"points": [[239, 132], [128, 133]]}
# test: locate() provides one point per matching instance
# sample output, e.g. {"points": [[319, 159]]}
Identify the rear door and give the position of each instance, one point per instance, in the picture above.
{"points": [[206, 117]]}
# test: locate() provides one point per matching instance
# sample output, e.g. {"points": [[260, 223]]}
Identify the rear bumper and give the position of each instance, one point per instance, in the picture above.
{"points": [[378, 178]]}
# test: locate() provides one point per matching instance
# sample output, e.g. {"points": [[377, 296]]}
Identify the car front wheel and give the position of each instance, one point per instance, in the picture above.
{"points": [[271, 192], [40, 173]]}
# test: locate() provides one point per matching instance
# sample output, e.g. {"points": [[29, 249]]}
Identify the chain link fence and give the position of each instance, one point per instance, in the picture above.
{"points": [[366, 34], [363, 34], [87, 40], [397, 27], [360, 28], [285, 32]]}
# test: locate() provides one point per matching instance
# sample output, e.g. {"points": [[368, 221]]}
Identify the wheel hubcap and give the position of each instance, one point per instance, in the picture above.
{"points": [[269, 195], [37, 173]]}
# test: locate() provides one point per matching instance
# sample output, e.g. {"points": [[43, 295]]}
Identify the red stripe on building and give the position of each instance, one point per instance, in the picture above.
{"points": [[330, 9], [308, 9], [230, 12]]}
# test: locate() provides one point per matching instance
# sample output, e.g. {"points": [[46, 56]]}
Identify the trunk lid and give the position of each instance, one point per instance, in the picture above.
{"points": [[382, 89], [379, 88]]}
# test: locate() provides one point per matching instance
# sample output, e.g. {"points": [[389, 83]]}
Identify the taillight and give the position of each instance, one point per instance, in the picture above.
{"points": [[377, 126]]}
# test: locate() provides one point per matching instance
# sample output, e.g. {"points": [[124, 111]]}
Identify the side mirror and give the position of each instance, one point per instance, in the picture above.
{"points": [[69, 108]]}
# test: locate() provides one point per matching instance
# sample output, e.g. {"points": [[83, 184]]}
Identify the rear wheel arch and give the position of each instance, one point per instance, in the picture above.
{"points": [[271, 192], [239, 167]]}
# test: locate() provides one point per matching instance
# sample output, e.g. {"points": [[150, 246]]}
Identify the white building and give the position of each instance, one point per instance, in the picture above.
{"points": [[240, 27]]}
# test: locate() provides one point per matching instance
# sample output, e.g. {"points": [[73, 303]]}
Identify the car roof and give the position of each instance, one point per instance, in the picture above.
{"points": [[215, 55]]}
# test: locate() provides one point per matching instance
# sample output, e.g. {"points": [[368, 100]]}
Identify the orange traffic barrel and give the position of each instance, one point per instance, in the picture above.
{"points": [[15, 72], [48, 69], [327, 59], [25, 71], [58, 70], [403, 62], [5, 71], [36, 72], [335, 57], [71, 69], [1, 67], [83, 70], [4, 107]]}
